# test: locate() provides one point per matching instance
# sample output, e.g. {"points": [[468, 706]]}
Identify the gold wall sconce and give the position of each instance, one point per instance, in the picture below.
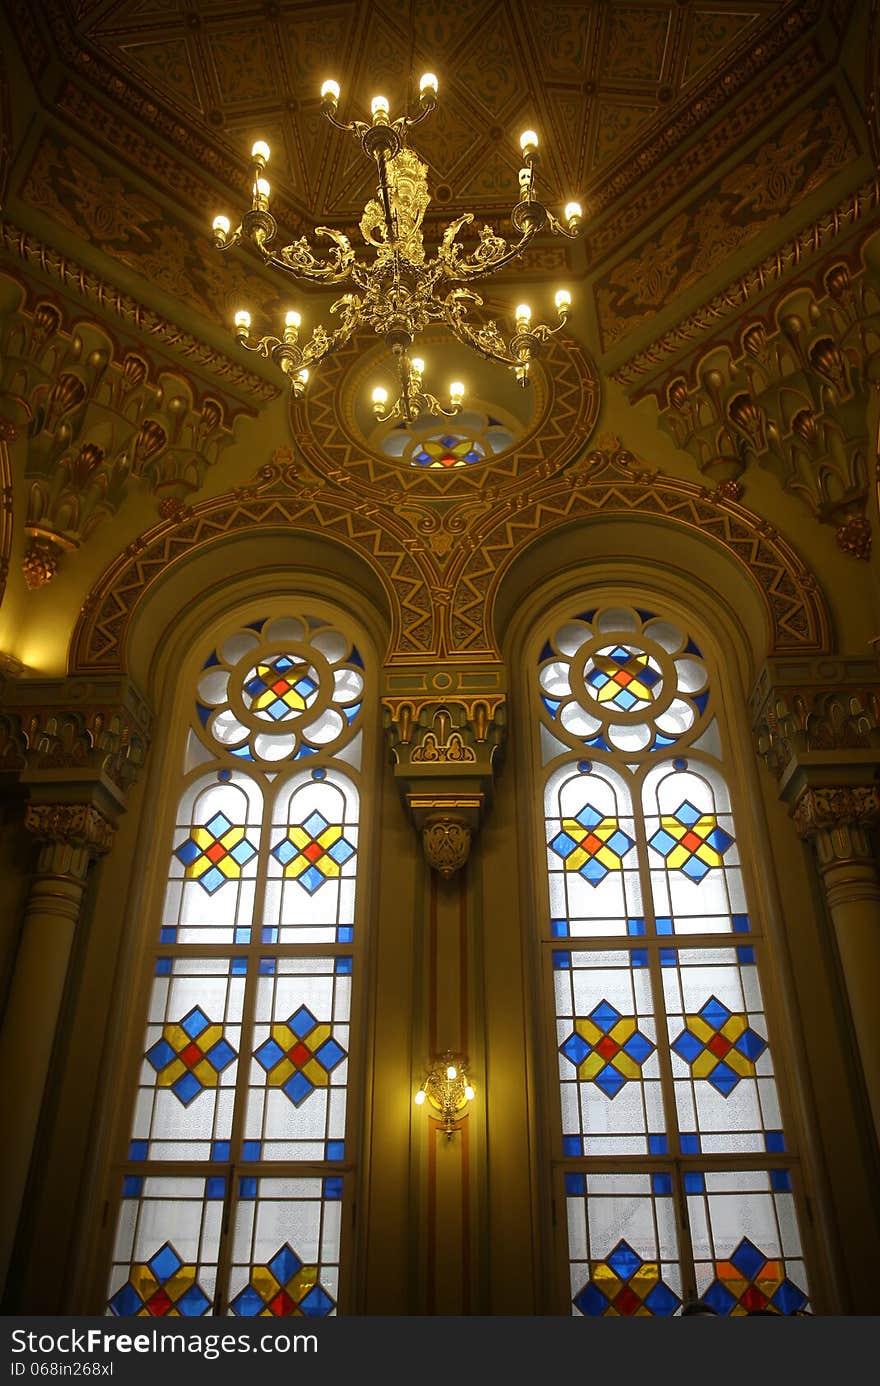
{"points": [[448, 1089]]}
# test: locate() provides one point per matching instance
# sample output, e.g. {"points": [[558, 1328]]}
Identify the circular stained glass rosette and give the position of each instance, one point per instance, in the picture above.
{"points": [[281, 689], [620, 679]]}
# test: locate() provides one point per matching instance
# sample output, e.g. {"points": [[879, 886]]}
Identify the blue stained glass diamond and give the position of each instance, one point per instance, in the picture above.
{"points": [[619, 842], [597, 678], [311, 879], [218, 825], [472, 456], [747, 1259], [623, 1260], [625, 700], [588, 817], [662, 842], [186, 1088], [269, 1054], [723, 1079], [609, 1080], [160, 1055], [695, 869], [593, 871], [165, 1263], [212, 880], [604, 1015], [719, 1298], [341, 851], [720, 840], [448, 440], [298, 1088], [187, 852], [195, 1022], [284, 851], [423, 456], [316, 1304], [220, 1055], [751, 1044], [575, 1049], [662, 1301], [242, 852], [284, 1264], [638, 1047], [302, 1022], [686, 813], [563, 845], [277, 710], [194, 1302], [305, 686], [620, 654], [788, 1299], [714, 1012], [591, 1301], [330, 1054], [126, 1302], [315, 824], [247, 1304], [687, 1046]]}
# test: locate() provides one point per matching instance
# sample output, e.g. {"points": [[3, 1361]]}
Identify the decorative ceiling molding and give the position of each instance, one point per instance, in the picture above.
{"points": [[858, 211], [156, 330], [451, 618]]}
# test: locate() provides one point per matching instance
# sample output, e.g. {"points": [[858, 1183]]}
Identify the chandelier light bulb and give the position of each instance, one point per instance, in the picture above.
{"points": [[572, 212], [379, 106], [528, 142], [330, 91], [303, 376], [243, 319], [451, 1072], [428, 84], [263, 189], [456, 392], [420, 1097], [418, 365], [523, 314], [469, 1092], [380, 396], [563, 300], [292, 318], [221, 226], [260, 152]]}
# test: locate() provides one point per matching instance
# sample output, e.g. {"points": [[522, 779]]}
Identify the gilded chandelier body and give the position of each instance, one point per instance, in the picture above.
{"points": [[401, 291]]}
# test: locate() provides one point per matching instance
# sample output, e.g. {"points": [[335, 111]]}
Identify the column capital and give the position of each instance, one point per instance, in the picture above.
{"points": [[445, 727], [819, 807], [71, 837], [817, 718]]}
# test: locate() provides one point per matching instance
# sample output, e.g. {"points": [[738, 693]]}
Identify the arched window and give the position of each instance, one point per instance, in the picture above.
{"points": [[237, 1159], [677, 1176]]}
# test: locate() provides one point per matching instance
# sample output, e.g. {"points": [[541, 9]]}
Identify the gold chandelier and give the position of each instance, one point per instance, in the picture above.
{"points": [[401, 292]]}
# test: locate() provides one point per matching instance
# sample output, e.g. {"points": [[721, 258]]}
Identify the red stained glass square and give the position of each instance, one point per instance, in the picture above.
{"points": [[299, 1054], [159, 1304], [607, 1047], [719, 1046], [282, 1305], [216, 852], [753, 1299], [591, 843], [623, 678], [191, 1054], [313, 851], [281, 687], [627, 1301], [691, 841]]}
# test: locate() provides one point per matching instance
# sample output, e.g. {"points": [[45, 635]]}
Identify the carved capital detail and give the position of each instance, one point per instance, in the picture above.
{"points": [[836, 807], [823, 712], [446, 840], [71, 825]]}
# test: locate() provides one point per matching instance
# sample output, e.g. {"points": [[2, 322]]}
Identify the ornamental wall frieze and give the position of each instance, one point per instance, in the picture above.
{"points": [[451, 617], [804, 709], [857, 213], [244, 387], [790, 395], [767, 184], [649, 196], [99, 419], [97, 726]]}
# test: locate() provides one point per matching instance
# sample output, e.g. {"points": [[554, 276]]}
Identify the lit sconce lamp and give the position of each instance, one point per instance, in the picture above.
{"points": [[448, 1089]]}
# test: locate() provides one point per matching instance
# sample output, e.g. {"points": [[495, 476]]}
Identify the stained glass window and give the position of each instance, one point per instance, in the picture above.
{"points": [[239, 1117], [664, 1052], [439, 443]]}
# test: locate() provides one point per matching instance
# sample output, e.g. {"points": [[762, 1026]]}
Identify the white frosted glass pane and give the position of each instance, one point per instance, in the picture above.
{"points": [[332, 644], [577, 1229], [617, 619], [226, 728], [710, 740], [569, 637], [283, 630], [213, 685], [348, 684], [577, 722], [553, 678], [691, 675], [327, 727], [195, 753], [274, 747], [676, 718], [633, 738], [238, 645], [664, 633], [351, 752]]}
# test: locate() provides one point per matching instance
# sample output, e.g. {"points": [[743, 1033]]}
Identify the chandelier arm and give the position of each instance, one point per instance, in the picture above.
{"points": [[299, 259], [322, 342], [493, 253], [486, 339]]}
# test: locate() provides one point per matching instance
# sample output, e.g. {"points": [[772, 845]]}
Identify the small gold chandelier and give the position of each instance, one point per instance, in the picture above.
{"points": [[401, 292]]}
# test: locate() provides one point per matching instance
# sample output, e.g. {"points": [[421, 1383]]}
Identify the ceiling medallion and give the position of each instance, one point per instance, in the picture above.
{"points": [[401, 292]]}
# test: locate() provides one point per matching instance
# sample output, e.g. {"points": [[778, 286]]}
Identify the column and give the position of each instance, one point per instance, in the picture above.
{"points": [[71, 837], [838, 821]]}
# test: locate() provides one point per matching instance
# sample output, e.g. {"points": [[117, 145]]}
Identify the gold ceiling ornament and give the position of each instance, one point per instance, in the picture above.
{"points": [[401, 292], [448, 1089]]}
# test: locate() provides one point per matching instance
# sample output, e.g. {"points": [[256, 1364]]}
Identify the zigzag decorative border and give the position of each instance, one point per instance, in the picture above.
{"points": [[454, 620]]}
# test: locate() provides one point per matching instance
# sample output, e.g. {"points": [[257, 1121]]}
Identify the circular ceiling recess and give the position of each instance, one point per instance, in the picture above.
{"points": [[503, 433]]}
